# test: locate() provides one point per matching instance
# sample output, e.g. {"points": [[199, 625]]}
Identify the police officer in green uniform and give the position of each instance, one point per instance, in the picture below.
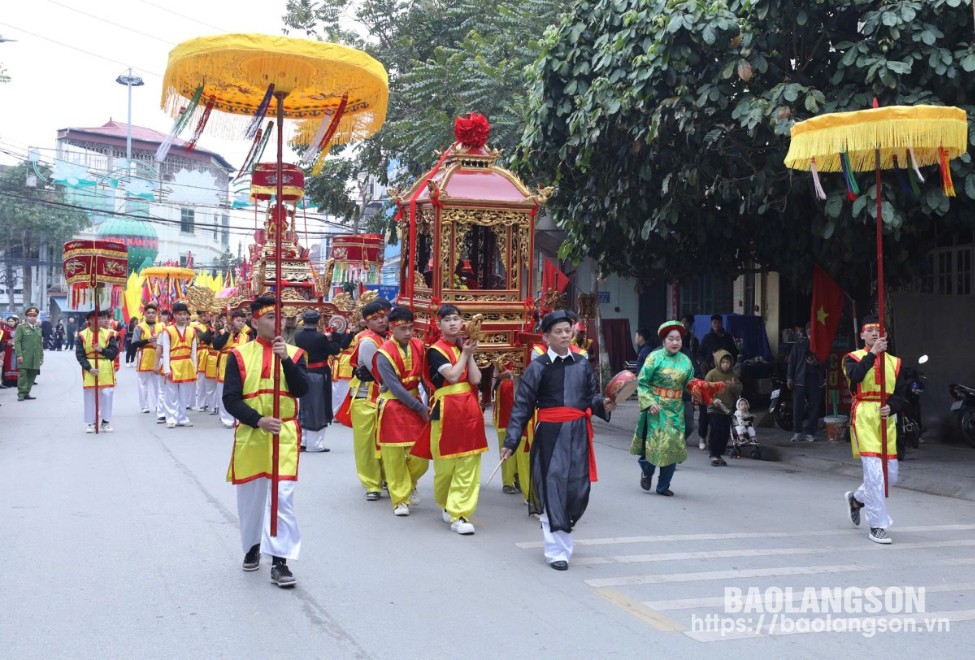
{"points": [[29, 349]]}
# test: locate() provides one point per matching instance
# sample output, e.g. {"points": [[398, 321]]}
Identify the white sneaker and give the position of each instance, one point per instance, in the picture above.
{"points": [[186, 423], [90, 429], [702, 445], [160, 420], [446, 517], [228, 425], [401, 509], [107, 428], [796, 437], [462, 527], [810, 438], [170, 425], [414, 497], [145, 410]]}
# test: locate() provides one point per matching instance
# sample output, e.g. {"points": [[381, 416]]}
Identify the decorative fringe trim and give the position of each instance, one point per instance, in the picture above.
{"points": [[817, 185], [260, 113], [200, 125], [917, 170], [852, 189], [244, 167], [893, 129], [181, 123], [946, 183]]}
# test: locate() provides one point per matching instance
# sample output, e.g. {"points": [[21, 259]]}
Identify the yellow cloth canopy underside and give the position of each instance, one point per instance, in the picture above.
{"points": [[173, 272], [236, 69], [893, 130]]}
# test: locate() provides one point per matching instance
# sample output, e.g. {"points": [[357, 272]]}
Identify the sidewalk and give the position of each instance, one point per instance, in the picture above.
{"points": [[935, 468]]}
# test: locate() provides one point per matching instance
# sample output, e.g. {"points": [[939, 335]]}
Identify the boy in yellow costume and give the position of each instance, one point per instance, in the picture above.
{"points": [[866, 414], [364, 394], [144, 342], [456, 439], [178, 366], [225, 341], [248, 395], [402, 414], [105, 347]]}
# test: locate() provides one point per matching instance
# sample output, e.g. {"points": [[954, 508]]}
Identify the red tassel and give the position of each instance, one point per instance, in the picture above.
{"points": [[946, 183]]}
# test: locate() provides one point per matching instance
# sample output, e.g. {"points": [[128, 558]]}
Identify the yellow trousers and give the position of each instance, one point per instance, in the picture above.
{"points": [[367, 463], [508, 468], [402, 472], [523, 467], [457, 485]]}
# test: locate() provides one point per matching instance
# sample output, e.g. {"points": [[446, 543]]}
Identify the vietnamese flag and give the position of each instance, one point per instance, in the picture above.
{"points": [[827, 305], [553, 278]]}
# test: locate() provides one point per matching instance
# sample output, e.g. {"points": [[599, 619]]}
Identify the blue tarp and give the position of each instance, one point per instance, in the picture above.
{"points": [[751, 329]]}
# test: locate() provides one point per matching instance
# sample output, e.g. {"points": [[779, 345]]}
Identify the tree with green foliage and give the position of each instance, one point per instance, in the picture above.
{"points": [[444, 59], [665, 124], [32, 217]]}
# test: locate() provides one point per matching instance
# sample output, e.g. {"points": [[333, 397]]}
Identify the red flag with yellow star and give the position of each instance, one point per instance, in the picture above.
{"points": [[827, 305]]}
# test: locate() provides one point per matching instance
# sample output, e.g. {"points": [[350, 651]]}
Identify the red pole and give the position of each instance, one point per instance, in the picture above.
{"points": [[881, 363], [277, 220], [96, 337]]}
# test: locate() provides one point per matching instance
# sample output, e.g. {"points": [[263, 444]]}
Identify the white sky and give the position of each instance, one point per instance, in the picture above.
{"points": [[68, 54]]}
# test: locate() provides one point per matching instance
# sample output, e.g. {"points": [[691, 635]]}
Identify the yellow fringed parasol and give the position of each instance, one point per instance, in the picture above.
{"points": [[240, 74], [878, 139]]}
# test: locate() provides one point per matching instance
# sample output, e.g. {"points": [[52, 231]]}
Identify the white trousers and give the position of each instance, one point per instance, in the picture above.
{"points": [[254, 512], [871, 491], [105, 396], [339, 389], [149, 391], [201, 391], [210, 396], [225, 416], [313, 440], [558, 545], [177, 398]]}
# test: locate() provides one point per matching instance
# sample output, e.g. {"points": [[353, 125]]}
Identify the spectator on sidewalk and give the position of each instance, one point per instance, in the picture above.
{"points": [[722, 405], [806, 377], [643, 347]]}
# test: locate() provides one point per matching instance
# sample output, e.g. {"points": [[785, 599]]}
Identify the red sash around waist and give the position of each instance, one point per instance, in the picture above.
{"points": [[565, 414], [317, 365]]}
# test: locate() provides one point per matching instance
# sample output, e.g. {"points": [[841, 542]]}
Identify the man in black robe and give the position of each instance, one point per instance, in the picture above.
{"points": [[562, 386], [315, 407]]}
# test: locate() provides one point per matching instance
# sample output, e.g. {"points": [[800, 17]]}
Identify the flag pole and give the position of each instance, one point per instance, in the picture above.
{"points": [[881, 363], [278, 219]]}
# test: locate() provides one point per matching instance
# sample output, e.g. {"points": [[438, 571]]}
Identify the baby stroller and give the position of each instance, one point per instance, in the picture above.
{"points": [[743, 441]]}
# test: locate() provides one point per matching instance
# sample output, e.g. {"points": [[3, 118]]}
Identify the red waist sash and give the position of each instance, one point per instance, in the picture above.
{"points": [[317, 365], [565, 414]]}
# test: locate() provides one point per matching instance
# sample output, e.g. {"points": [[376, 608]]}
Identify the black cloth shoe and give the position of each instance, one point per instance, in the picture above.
{"points": [[281, 575], [646, 482], [854, 508], [560, 565], [29, 397], [252, 560], [666, 493]]}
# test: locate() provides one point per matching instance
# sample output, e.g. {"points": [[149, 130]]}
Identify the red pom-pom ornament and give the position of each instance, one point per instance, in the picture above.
{"points": [[472, 131]]}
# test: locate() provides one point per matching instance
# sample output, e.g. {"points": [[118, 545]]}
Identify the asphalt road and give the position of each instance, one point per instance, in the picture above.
{"points": [[126, 545]]}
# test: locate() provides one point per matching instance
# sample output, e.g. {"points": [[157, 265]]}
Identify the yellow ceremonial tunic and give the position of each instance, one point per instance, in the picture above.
{"points": [[363, 416], [235, 341], [253, 447], [180, 354], [865, 411], [201, 348], [106, 368], [147, 354]]}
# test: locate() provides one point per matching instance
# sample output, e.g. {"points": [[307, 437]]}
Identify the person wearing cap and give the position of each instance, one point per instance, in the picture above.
{"points": [[457, 438], [315, 411], [178, 366], [364, 394], [248, 395], [866, 416], [144, 344], [562, 386], [29, 349], [659, 438], [225, 341], [104, 346], [402, 415]]}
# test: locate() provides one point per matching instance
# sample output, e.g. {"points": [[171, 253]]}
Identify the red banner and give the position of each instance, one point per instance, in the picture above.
{"points": [[90, 263]]}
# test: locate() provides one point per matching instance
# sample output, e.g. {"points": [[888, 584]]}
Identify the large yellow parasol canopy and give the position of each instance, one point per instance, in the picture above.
{"points": [[895, 131], [236, 69]]}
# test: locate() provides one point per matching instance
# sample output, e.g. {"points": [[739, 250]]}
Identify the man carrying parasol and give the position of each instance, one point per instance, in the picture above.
{"points": [[562, 386], [248, 395], [860, 368], [100, 379], [178, 366]]}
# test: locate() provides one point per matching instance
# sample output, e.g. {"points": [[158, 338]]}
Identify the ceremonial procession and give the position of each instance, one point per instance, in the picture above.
{"points": [[345, 335]]}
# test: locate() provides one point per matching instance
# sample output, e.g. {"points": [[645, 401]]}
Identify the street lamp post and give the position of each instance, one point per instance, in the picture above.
{"points": [[130, 81]]}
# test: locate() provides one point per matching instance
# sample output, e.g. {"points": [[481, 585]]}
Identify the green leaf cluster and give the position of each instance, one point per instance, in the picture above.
{"points": [[665, 124]]}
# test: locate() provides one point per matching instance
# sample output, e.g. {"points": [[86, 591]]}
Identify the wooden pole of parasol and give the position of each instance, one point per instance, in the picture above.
{"points": [[277, 219], [881, 363]]}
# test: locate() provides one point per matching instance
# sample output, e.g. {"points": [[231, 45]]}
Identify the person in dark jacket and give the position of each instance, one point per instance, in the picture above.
{"points": [[712, 342], [315, 411], [806, 378], [643, 347]]}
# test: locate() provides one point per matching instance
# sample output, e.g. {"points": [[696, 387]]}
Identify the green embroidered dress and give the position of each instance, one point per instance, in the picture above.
{"points": [[661, 381]]}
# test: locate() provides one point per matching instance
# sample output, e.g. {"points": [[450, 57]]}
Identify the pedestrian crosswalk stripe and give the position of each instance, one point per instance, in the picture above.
{"points": [[637, 609], [719, 601], [755, 552], [738, 536], [753, 572]]}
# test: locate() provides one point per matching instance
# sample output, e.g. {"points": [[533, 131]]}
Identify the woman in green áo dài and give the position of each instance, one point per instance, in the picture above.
{"points": [[659, 438]]}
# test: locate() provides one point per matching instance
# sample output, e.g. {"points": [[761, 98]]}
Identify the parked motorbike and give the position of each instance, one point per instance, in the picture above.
{"points": [[780, 404], [909, 426], [964, 410]]}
